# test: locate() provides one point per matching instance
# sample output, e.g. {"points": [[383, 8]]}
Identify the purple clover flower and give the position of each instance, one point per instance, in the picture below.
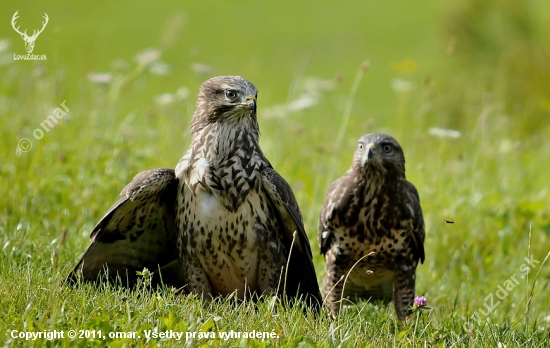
{"points": [[420, 301]]}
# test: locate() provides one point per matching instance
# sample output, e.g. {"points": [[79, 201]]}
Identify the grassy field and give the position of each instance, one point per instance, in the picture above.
{"points": [[464, 86]]}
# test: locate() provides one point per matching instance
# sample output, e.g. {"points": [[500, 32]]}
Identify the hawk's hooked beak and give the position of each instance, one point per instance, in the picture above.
{"points": [[250, 103], [369, 153]]}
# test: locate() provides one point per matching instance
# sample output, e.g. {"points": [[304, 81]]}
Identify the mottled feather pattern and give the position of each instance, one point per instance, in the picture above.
{"points": [[371, 228]]}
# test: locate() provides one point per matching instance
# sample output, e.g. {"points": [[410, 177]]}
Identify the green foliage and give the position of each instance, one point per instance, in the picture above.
{"points": [[477, 67], [502, 47]]}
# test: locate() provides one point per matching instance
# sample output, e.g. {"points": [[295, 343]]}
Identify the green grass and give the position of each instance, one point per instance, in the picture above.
{"points": [[478, 69]]}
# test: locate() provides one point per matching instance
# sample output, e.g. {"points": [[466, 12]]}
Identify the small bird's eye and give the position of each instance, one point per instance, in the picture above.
{"points": [[387, 148], [230, 94]]}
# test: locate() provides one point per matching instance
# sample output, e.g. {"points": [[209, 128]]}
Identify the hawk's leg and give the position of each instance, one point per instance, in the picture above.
{"points": [[271, 271], [337, 266], [197, 280], [403, 293]]}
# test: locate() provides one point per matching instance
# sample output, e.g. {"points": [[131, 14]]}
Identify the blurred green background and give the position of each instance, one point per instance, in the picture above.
{"points": [[463, 85]]}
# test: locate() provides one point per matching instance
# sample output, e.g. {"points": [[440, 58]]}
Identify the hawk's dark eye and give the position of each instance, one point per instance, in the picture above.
{"points": [[230, 94], [361, 146], [387, 148]]}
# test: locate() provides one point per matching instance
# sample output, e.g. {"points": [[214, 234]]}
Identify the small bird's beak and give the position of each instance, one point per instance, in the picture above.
{"points": [[369, 153]]}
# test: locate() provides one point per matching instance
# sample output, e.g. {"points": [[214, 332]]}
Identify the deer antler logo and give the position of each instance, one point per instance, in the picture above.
{"points": [[29, 40]]}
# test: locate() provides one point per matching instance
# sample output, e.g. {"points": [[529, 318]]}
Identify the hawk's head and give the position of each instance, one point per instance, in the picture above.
{"points": [[226, 99], [379, 153]]}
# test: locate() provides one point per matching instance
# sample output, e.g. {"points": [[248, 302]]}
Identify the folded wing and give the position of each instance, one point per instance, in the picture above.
{"points": [[301, 278]]}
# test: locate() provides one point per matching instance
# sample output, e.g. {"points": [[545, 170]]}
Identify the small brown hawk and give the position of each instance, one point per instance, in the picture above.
{"points": [[371, 229], [223, 221]]}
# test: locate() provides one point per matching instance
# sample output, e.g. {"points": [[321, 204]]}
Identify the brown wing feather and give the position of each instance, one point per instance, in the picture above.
{"points": [[301, 278], [324, 232], [137, 231], [418, 233], [337, 202]]}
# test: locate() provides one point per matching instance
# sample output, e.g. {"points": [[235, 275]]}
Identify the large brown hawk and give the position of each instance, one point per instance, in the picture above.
{"points": [[223, 221], [371, 229]]}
